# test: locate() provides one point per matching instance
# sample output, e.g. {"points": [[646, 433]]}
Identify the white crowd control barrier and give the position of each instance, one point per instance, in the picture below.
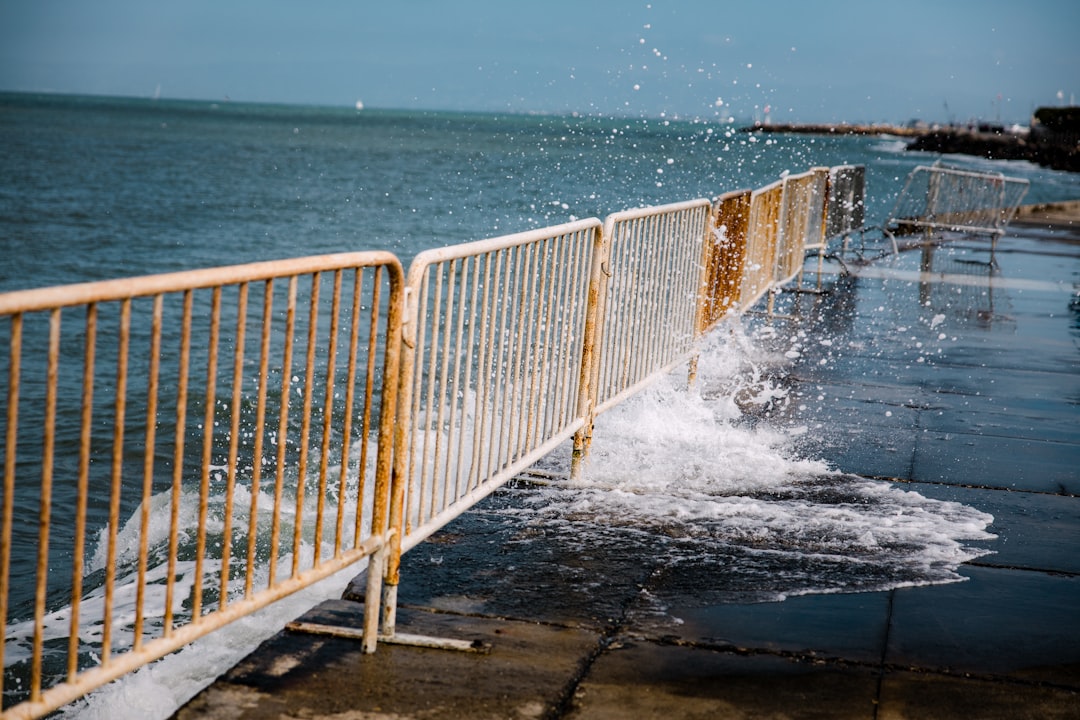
{"points": [[942, 198]]}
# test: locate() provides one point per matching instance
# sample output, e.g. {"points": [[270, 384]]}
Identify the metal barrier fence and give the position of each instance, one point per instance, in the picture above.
{"points": [[653, 263], [648, 313], [726, 255], [763, 234], [491, 367], [945, 198], [802, 222], [845, 208], [508, 348], [165, 514]]}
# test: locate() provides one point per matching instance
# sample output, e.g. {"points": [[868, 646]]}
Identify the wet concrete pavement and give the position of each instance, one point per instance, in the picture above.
{"points": [[960, 383]]}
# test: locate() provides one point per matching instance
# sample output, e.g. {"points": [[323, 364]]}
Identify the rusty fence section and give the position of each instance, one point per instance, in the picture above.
{"points": [[181, 450], [725, 257]]}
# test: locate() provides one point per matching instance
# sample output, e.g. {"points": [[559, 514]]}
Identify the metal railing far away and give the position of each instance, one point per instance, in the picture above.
{"points": [[939, 197], [180, 450]]}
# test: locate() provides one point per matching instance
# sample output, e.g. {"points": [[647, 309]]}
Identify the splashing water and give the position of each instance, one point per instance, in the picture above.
{"points": [[689, 475]]}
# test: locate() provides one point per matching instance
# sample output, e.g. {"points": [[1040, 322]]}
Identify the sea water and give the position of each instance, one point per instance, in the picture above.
{"points": [[97, 188]]}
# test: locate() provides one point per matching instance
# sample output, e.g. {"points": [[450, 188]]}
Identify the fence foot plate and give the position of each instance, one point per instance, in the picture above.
{"points": [[351, 633], [474, 646]]}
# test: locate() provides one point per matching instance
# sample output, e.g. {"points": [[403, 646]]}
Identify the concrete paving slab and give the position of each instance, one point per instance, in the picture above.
{"points": [[1034, 530], [486, 563], [1001, 622], [666, 682], [1037, 415], [997, 461], [851, 626], [529, 673], [867, 450], [906, 695]]}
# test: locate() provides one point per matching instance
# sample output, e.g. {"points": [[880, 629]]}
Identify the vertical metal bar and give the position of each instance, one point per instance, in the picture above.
{"points": [[513, 448], [207, 449], [283, 428], [483, 372], [440, 478], [632, 314], [625, 266], [369, 395], [376, 569], [431, 381], [502, 348], [387, 517], [573, 324], [641, 325], [328, 417], [305, 419], [652, 335], [234, 440], [414, 341], [643, 342], [545, 369], [117, 477], [550, 364], [85, 423], [148, 467], [457, 418], [403, 430], [45, 504], [466, 377], [586, 395], [178, 458], [533, 329], [8, 511], [260, 429], [346, 421], [553, 359]]}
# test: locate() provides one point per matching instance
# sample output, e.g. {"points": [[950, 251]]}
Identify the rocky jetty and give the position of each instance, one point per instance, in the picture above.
{"points": [[1053, 140]]}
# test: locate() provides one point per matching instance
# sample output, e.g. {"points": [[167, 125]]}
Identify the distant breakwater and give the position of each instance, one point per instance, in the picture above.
{"points": [[1053, 140], [1000, 146]]}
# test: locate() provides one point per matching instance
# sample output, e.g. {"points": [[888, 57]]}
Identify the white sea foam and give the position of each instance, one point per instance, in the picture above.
{"points": [[159, 689], [687, 468]]}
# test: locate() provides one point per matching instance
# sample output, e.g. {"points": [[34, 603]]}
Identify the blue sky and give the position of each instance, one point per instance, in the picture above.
{"points": [[810, 61]]}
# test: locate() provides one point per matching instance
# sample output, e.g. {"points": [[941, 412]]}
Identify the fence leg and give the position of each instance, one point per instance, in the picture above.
{"points": [[580, 457], [691, 373], [389, 609], [376, 569]]}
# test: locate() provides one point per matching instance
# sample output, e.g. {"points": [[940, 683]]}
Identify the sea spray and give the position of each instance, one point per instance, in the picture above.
{"points": [[694, 474]]}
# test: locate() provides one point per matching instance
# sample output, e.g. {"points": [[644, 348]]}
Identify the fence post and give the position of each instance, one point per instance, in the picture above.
{"points": [[594, 318], [390, 569], [708, 245]]}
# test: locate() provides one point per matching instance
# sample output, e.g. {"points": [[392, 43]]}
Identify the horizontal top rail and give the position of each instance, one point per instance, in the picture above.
{"points": [[644, 212], [477, 247], [61, 296]]}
